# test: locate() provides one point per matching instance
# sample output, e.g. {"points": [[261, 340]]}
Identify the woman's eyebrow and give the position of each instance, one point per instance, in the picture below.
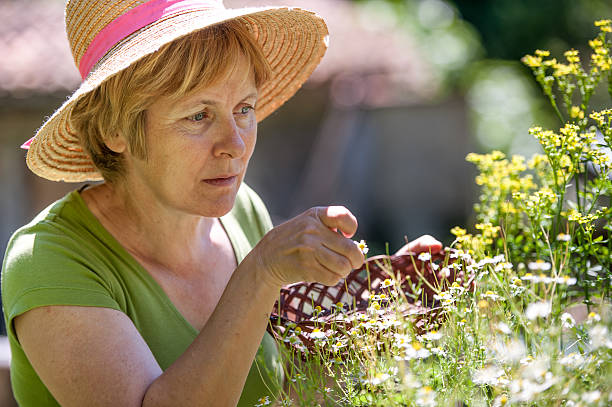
{"points": [[213, 102]]}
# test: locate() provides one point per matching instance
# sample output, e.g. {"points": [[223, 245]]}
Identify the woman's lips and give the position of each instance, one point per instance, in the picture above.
{"points": [[221, 182]]}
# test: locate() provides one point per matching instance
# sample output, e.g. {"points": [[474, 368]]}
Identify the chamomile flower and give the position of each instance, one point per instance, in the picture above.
{"points": [[509, 351], [566, 280], [456, 289], [424, 256], [438, 351], [415, 350], [539, 309], [445, 297], [541, 278], [503, 328], [378, 379], [317, 334], [539, 264], [572, 360], [426, 397], [503, 266], [362, 246], [527, 360], [500, 401], [490, 295], [387, 283], [488, 375], [337, 346], [339, 306], [524, 390], [600, 337], [593, 317], [564, 237], [432, 336], [264, 401], [567, 320], [591, 396]]}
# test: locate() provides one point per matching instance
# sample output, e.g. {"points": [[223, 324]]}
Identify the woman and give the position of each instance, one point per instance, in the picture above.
{"points": [[154, 287]]}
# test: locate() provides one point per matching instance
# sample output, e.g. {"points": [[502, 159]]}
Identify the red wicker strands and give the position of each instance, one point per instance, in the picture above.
{"points": [[304, 307]]}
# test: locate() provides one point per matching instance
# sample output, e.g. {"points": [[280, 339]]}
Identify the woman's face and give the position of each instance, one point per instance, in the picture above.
{"points": [[199, 146]]}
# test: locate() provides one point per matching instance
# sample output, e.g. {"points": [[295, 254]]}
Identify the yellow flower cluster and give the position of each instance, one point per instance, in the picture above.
{"points": [[604, 25], [537, 203], [576, 113], [586, 220], [572, 68], [602, 118], [458, 231], [487, 230], [535, 61], [601, 55], [600, 59], [566, 148]]}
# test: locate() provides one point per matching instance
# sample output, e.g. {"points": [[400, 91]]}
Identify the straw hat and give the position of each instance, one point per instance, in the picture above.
{"points": [[107, 36]]}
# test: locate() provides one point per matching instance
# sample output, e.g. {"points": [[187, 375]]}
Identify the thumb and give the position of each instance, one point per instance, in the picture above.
{"points": [[338, 218], [425, 243]]}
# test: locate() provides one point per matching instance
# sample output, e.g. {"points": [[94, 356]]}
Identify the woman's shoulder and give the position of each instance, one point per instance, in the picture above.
{"points": [[54, 222], [53, 259], [59, 239]]}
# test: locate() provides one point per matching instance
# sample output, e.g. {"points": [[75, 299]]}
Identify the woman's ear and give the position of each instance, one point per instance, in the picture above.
{"points": [[116, 143]]}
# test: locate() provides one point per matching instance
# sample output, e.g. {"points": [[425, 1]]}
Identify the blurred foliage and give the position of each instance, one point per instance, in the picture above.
{"points": [[511, 28], [446, 41], [475, 47]]}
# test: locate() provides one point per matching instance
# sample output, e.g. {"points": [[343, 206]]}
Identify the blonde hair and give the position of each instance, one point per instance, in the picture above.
{"points": [[120, 103]]}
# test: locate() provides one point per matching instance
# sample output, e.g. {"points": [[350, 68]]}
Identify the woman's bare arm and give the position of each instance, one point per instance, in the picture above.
{"points": [[96, 357]]}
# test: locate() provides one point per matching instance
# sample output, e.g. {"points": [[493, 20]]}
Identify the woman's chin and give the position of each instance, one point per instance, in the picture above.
{"points": [[217, 209]]}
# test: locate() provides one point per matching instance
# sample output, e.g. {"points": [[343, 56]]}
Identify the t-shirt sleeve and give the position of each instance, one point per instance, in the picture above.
{"points": [[44, 267]]}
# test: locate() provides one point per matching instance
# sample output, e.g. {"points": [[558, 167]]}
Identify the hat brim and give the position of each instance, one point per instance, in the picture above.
{"points": [[292, 40]]}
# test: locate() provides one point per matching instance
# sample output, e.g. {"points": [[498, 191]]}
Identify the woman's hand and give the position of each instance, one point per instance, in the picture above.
{"points": [[425, 243], [314, 246]]}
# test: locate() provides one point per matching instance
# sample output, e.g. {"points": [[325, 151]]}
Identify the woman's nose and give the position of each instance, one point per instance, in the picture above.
{"points": [[230, 142]]}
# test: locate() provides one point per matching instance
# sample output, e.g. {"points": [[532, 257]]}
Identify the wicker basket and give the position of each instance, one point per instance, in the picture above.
{"points": [[314, 305]]}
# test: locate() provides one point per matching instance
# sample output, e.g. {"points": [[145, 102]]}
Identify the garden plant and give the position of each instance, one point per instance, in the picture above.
{"points": [[529, 323]]}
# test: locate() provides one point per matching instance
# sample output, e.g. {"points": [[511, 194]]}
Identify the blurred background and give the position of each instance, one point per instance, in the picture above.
{"points": [[406, 90]]}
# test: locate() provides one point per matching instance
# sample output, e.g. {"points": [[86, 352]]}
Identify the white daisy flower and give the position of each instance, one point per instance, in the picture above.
{"points": [[564, 237], [424, 256], [539, 265], [317, 334], [362, 246], [539, 309], [489, 375], [567, 320]]}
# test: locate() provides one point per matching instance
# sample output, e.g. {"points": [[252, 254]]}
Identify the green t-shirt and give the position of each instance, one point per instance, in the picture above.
{"points": [[66, 257]]}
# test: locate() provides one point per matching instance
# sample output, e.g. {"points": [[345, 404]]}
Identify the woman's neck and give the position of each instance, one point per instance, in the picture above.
{"points": [[152, 233]]}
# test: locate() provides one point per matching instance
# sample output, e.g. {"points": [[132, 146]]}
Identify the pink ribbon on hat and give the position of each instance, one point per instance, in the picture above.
{"points": [[26, 145], [132, 21], [128, 23]]}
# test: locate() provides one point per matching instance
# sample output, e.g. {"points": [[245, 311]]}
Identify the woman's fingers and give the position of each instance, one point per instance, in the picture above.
{"points": [[334, 261], [309, 248], [425, 243], [337, 218], [342, 246]]}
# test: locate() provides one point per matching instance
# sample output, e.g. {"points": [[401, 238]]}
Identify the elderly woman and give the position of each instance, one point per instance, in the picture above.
{"points": [[154, 287]]}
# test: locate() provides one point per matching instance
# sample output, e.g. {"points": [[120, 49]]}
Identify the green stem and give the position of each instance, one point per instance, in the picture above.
{"points": [[577, 180], [554, 105]]}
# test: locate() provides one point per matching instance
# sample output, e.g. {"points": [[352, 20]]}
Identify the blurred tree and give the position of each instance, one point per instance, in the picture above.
{"points": [[511, 28]]}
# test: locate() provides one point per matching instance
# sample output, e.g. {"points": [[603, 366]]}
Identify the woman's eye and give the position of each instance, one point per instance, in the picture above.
{"points": [[246, 109], [198, 117]]}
